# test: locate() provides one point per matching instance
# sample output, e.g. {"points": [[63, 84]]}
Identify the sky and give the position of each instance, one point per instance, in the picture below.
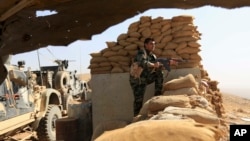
{"points": [[224, 47]]}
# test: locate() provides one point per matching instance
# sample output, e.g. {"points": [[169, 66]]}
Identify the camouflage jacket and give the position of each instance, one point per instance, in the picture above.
{"points": [[142, 59]]}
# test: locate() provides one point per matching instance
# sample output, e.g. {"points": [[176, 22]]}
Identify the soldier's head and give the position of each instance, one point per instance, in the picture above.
{"points": [[149, 44]]}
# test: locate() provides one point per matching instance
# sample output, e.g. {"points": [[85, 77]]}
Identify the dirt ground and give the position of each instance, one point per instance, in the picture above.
{"points": [[237, 109]]}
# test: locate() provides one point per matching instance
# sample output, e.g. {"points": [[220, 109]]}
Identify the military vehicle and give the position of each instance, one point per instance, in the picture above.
{"points": [[34, 100], [66, 82]]}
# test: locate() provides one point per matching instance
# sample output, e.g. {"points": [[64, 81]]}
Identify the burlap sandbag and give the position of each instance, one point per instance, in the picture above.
{"points": [[157, 20], [171, 45], [98, 59], [145, 25], [122, 52], [135, 29], [111, 44], [93, 65], [93, 71], [156, 25], [132, 39], [194, 44], [167, 39], [146, 33], [122, 36], [116, 47], [160, 45], [104, 64], [109, 53], [167, 116], [186, 91], [132, 52], [167, 32], [168, 52], [119, 58], [114, 64], [124, 63], [107, 126], [126, 68], [166, 21], [157, 38], [134, 34], [166, 27], [134, 25], [181, 46], [200, 116], [177, 28], [162, 130], [157, 51], [180, 23], [188, 18], [144, 19], [186, 39], [181, 82], [189, 27], [108, 68], [96, 54], [144, 109], [123, 42], [183, 33], [185, 56], [117, 69], [139, 43], [195, 56], [131, 47], [159, 103], [155, 33], [189, 50]]}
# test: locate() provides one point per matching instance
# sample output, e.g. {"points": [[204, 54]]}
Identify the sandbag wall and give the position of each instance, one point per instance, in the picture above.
{"points": [[177, 37]]}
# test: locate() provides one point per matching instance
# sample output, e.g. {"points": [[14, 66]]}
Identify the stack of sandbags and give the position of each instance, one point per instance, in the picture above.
{"points": [[182, 85], [176, 37], [209, 89], [187, 85], [165, 107]]}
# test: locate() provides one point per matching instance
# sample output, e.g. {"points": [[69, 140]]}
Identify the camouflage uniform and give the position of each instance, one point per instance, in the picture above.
{"points": [[147, 77]]}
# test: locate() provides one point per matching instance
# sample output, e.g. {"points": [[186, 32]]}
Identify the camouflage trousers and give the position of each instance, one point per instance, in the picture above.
{"points": [[139, 87]]}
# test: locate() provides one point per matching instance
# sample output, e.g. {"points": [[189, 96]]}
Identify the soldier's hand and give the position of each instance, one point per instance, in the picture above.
{"points": [[156, 65], [173, 62]]}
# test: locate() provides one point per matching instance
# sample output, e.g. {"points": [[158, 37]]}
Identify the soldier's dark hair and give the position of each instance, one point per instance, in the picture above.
{"points": [[147, 40]]}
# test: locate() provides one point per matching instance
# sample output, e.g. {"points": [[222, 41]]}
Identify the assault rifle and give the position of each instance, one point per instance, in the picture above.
{"points": [[166, 62]]}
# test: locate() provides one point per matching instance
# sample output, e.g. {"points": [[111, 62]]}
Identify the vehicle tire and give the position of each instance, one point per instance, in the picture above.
{"points": [[47, 127], [62, 79]]}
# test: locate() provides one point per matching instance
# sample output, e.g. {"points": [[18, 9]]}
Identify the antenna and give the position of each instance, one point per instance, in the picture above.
{"points": [[80, 60], [40, 67]]}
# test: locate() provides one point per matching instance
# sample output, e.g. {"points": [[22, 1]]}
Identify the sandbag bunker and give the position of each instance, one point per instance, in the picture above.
{"points": [[187, 109]]}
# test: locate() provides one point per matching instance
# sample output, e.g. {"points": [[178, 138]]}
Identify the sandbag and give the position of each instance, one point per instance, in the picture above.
{"points": [[182, 82], [181, 91], [107, 126], [204, 117], [162, 130], [158, 103], [144, 109]]}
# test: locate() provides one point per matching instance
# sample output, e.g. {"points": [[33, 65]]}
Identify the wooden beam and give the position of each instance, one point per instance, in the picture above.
{"points": [[19, 6]]}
